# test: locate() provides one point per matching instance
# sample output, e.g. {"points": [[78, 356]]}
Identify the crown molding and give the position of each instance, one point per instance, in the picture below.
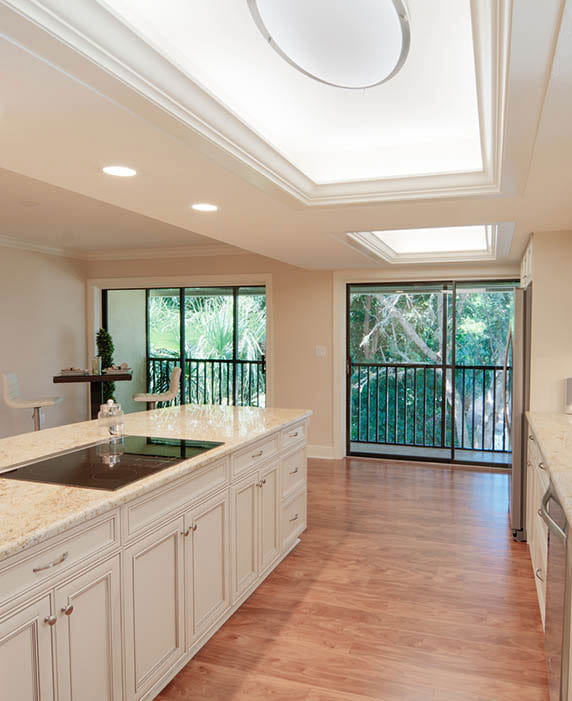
{"points": [[176, 252], [123, 253], [14, 242], [499, 237], [93, 30]]}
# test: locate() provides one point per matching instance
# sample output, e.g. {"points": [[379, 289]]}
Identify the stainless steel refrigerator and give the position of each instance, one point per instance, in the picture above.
{"points": [[520, 399]]}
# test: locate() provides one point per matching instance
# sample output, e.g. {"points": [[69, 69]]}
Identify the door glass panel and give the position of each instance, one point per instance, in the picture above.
{"points": [[163, 337], [217, 335], [126, 324], [425, 370]]}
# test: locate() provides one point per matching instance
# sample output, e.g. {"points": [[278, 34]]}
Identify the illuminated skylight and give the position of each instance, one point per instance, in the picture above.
{"points": [[453, 243]]}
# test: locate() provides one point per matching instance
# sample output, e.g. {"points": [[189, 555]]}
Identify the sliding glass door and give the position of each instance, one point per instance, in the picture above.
{"points": [[428, 375], [216, 334]]}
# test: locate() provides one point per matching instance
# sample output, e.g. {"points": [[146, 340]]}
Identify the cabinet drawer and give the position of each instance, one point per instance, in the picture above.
{"points": [[152, 508], [254, 455], [58, 555], [294, 434], [293, 472], [293, 519]]}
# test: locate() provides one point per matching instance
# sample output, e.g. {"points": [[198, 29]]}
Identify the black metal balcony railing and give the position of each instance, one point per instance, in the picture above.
{"points": [[412, 405], [205, 381]]}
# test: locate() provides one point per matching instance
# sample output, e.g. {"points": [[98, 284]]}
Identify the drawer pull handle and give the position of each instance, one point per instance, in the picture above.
{"points": [[261, 483], [258, 454], [293, 435], [68, 610], [294, 518], [538, 572], [55, 563], [539, 512], [51, 620], [294, 471], [542, 466], [531, 437], [190, 529]]}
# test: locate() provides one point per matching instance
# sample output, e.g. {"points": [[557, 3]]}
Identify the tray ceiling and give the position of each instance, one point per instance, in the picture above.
{"points": [[424, 121]]}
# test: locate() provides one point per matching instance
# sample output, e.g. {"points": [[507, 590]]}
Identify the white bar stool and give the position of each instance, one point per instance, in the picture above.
{"points": [[152, 399], [11, 394]]}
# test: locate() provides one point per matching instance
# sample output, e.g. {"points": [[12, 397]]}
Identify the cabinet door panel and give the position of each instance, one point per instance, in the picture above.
{"points": [[210, 561], [26, 654], [245, 534], [269, 516], [154, 606], [89, 638]]}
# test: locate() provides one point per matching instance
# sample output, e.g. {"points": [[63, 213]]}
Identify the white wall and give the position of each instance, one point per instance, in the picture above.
{"points": [[551, 352], [42, 329]]}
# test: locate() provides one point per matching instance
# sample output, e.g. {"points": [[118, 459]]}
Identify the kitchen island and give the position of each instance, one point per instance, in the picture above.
{"points": [[107, 594], [549, 478]]}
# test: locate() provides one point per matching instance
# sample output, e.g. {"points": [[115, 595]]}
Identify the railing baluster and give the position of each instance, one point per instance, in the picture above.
{"points": [[483, 419], [377, 404], [359, 405], [434, 397], [367, 405], [424, 431], [405, 406], [463, 410], [414, 406], [396, 436], [386, 403], [473, 415]]}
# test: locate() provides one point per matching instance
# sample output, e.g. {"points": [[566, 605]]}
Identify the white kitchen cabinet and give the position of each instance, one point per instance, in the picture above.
{"points": [[207, 565], [255, 526], [153, 580], [88, 635], [112, 608], [269, 523], [26, 653], [244, 499], [536, 529]]}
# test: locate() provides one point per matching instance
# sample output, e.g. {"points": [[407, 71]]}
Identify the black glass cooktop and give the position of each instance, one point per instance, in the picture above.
{"points": [[111, 464]]}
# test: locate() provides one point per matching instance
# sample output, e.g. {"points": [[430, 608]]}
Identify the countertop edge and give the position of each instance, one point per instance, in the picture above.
{"points": [[113, 500]]}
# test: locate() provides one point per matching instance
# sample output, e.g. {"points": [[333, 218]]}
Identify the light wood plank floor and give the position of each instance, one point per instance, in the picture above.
{"points": [[407, 585]]}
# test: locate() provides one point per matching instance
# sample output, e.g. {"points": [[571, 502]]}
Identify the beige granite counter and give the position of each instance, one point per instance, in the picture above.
{"points": [[32, 512], [553, 433]]}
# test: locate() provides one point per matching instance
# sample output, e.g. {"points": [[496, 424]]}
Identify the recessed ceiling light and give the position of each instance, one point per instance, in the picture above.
{"points": [[204, 207], [120, 171], [357, 44]]}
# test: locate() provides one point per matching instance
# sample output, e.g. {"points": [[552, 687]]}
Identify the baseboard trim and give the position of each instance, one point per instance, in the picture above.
{"points": [[326, 452]]}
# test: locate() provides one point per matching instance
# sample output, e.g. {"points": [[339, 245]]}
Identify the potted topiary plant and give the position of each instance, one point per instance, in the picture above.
{"points": [[105, 350]]}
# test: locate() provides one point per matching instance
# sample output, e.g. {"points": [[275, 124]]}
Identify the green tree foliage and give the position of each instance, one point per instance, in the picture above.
{"points": [[388, 326], [209, 335]]}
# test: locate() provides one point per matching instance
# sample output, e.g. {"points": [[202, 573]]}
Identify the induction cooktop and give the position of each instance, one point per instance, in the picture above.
{"points": [[111, 464]]}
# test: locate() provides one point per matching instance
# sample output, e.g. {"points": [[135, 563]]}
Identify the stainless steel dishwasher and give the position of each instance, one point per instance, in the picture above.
{"points": [[557, 620]]}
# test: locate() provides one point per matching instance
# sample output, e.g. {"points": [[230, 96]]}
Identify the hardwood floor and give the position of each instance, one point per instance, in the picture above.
{"points": [[406, 586]]}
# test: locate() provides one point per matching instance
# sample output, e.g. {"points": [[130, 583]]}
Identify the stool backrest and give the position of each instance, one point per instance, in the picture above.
{"points": [[10, 387], [174, 382]]}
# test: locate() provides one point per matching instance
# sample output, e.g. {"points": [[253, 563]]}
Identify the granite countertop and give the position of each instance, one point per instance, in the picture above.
{"points": [[553, 434], [31, 512]]}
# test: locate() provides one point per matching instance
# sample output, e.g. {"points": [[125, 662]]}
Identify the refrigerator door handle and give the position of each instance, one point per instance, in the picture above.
{"points": [[507, 415], [546, 517]]}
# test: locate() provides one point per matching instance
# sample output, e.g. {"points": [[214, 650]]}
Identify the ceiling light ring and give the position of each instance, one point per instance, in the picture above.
{"points": [[401, 10]]}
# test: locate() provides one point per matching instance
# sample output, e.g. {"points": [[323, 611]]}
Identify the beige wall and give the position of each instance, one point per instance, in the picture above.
{"points": [[551, 352], [301, 320], [42, 329]]}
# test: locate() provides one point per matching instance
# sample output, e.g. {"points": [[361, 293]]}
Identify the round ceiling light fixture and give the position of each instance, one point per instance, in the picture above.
{"points": [[353, 44], [204, 207], [120, 171]]}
